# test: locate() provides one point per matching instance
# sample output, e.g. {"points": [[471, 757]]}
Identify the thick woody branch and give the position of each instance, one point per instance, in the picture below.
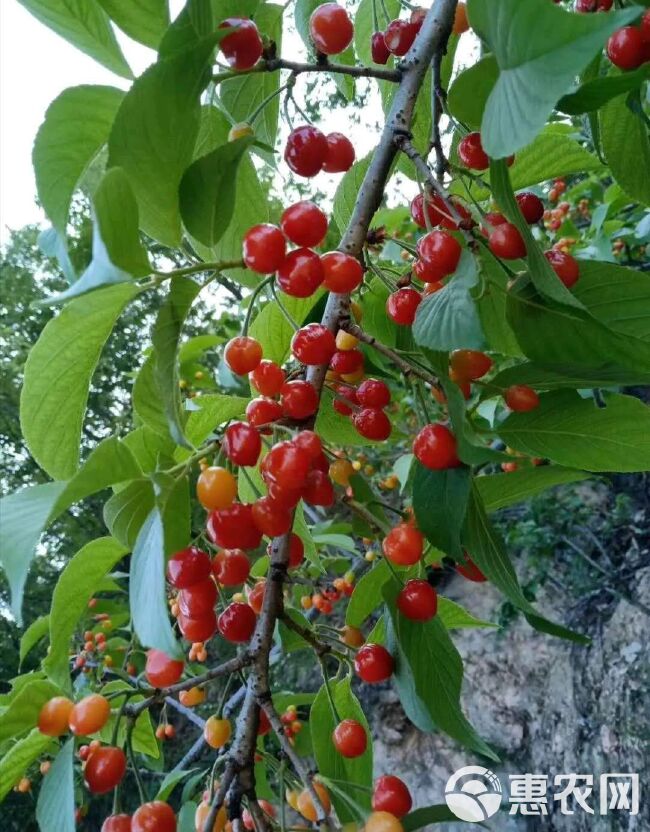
{"points": [[298, 68]]}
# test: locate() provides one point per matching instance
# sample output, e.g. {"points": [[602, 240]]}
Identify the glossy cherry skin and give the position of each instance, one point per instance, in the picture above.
{"points": [[470, 571], [286, 464], [299, 399], [313, 344], [340, 153], [344, 395], [468, 365], [372, 423], [267, 378], [271, 518], [301, 273], [53, 719], [304, 224], [403, 545], [506, 242], [373, 393], [399, 36], [330, 28], [264, 248], [216, 488], [104, 769], [233, 528], [531, 206], [471, 153], [198, 629], [417, 600], [346, 362], [306, 150], [242, 443], [231, 567], [342, 273], [187, 567], [378, 49], [243, 354], [427, 272], [588, 6], [318, 490], [435, 447], [161, 670], [448, 221], [373, 663], [198, 600], [440, 249], [565, 266], [417, 211], [521, 398], [117, 823], [243, 48], [263, 411], [310, 442], [402, 305], [89, 715], [237, 623], [625, 48], [349, 738], [256, 597], [390, 794], [296, 551], [154, 817]]}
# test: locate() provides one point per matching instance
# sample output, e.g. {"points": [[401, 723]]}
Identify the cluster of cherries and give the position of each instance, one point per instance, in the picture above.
{"points": [[628, 48], [399, 35]]}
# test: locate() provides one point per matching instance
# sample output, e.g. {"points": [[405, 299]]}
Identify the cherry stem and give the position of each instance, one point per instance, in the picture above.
{"points": [[251, 302]]}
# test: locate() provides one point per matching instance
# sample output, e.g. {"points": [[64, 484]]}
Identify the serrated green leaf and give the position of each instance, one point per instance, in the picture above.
{"points": [[624, 135], [144, 20], [593, 94], [55, 808], [213, 411], [470, 91], [367, 594], [455, 617], [491, 305], [347, 192], [20, 757], [440, 502], [126, 511], [502, 490]]}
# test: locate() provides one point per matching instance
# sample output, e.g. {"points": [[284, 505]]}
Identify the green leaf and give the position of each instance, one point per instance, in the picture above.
{"points": [[37, 630], [627, 146], [539, 49], [367, 594], [53, 244], [428, 675], [22, 713], [419, 818], [469, 93], [126, 511], [143, 737], [491, 305], [55, 808], [289, 639], [454, 617], [20, 757], [347, 192], [75, 587], [57, 377], [334, 428], [207, 190], [592, 95], [502, 490], [147, 400], [213, 410], [65, 144], [351, 771], [171, 780], [573, 376], [303, 11], [273, 330], [148, 447], [142, 20], [575, 432], [84, 24], [439, 502]]}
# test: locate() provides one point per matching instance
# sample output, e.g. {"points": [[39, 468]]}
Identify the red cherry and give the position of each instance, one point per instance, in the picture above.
{"points": [[587, 6], [104, 769], [342, 272], [310, 442], [306, 150], [403, 545], [242, 443], [345, 394], [340, 153], [418, 600], [349, 738], [471, 153], [644, 26], [390, 794], [262, 411], [198, 600], [304, 224], [440, 249], [198, 629], [402, 305], [492, 219], [231, 567], [264, 725], [625, 48], [448, 222], [531, 206], [243, 48], [345, 362], [154, 817], [256, 597], [506, 242], [372, 423], [435, 448], [417, 16], [565, 266], [521, 398], [243, 354], [373, 663], [468, 365], [237, 623], [399, 36], [299, 399], [162, 671], [301, 273], [287, 497], [417, 210], [331, 29], [318, 490], [264, 248], [378, 49], [187, 567], [296, 551], [286, 464], [373, 393], [117, 823], [271, 518], [233, 528], [427, 272], [313, 344], [267, 378], [470, 571]]}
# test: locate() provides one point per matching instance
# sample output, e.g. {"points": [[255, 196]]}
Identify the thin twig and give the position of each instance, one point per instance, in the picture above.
{"points": [[275, 64]]}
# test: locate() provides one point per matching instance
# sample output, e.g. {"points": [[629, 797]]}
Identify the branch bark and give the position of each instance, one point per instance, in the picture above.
{"points": [[298, 68]]}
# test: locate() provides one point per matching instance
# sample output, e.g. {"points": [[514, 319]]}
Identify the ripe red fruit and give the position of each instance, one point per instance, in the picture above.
{"points": [[89, 715], [372, 423], [237, 623], [198, 600], [390, 794], [521, 398], [243, 48], [331, 29], [296, 551], [345, 394], [435, 447], [373, 393], [506, 242], [471, 153], [441, 250], [104, 769], [271, 518], [54, 715], [435, 216], [242, 443], [531, 206], [304, 224], [154, 817], [318, 490], [231, 567], [625, 48], [399, 36], [117, 823], [243, 354], [264, 248], [378, 49], [198, 629], [565, 266], [301, 273], [233, 528], [345, 362], [313, 344], [402, 305], [349, 738], [310, 442], [587, 6], [340, 153], [342, 273], [470, 571], [262, 411], [403, 545], [161, 670], [427, 272], [286, 464], [287, 497], [448, 222], [306, 150], [256, 597], [417, 600], [187, 567], [299, 399], [468, 365], [267, 378], [373, 663]]}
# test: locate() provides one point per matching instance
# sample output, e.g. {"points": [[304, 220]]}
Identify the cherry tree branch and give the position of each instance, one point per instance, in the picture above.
{"points": [[297, 68]]}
